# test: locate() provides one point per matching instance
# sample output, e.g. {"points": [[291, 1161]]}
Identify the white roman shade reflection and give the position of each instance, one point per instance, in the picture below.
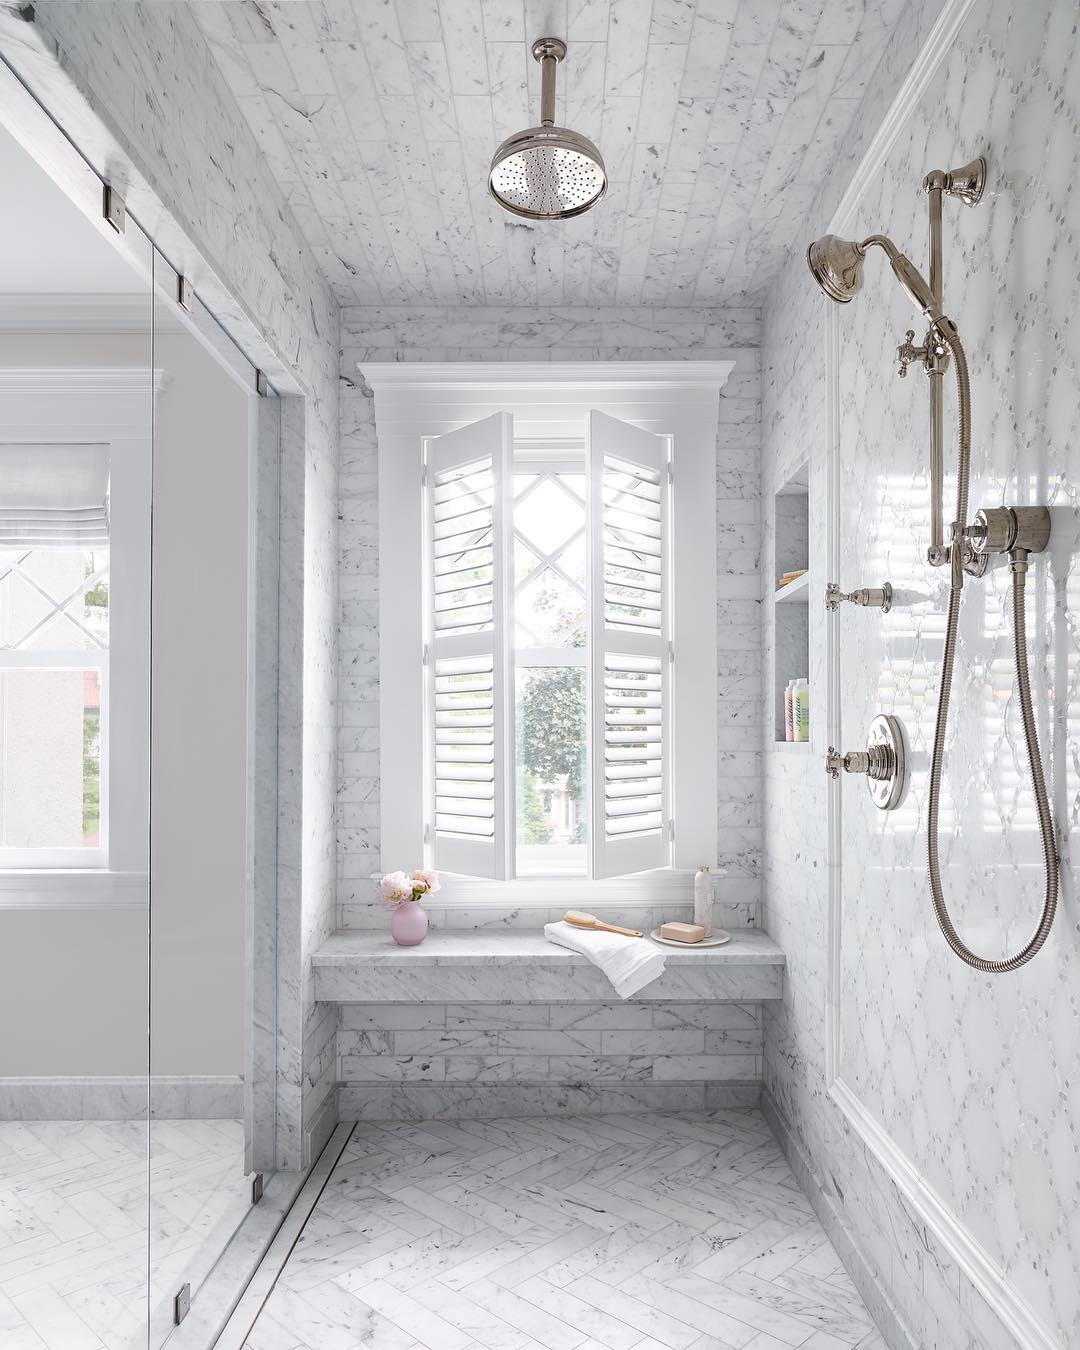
{"points": [[628, 647], [54, 496]]}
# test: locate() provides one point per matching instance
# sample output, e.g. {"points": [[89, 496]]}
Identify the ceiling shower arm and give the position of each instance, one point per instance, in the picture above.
{"points": [[549, 52]]}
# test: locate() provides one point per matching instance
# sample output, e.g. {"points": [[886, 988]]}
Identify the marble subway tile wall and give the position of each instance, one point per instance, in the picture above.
{"points": [[971, 1079], [568, 333], [402, 1061], [194, 176]]}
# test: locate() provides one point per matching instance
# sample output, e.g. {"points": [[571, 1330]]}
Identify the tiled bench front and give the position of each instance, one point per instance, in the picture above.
{"points": [[481, 1024], [478, 967]]}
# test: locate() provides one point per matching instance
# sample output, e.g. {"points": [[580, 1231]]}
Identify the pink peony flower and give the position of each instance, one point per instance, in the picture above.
{"points": [[430, 880], [395, 887]]}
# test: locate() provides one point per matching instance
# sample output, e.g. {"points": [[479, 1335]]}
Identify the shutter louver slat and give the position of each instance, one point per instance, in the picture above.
{"points": [[464, 744], [628, 481], [469, 790]]}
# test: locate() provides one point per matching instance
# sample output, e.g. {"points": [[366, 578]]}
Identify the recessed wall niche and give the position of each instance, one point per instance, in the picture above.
{"points": [[791, 607]]}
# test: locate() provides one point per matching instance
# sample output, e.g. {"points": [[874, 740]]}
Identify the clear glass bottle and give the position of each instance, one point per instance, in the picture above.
{"points": [[703, 899]]}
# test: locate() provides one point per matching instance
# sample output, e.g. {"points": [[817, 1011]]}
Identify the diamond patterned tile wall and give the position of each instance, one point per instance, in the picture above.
{"points": [[716, 119]]}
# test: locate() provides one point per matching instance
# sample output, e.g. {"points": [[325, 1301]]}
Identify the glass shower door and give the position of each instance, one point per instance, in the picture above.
{"points": [[75, 473], [200, 856]]}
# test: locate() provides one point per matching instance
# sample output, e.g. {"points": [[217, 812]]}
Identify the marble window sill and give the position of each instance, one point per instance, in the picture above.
{"points": [[516, 966]]}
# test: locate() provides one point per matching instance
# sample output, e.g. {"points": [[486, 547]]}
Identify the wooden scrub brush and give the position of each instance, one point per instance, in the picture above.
{"points": [[577, 919]]}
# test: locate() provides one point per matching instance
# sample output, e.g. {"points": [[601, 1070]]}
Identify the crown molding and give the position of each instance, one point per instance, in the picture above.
{"points": [[708, 376], [935, 49], [64, 380], [36, 312]]}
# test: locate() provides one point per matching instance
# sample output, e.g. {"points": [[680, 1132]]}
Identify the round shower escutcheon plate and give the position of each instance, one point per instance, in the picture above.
{"points": [[888, 793], [718, 939]]}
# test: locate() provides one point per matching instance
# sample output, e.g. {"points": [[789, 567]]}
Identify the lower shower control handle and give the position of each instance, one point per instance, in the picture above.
{"points": [[883, 762]]}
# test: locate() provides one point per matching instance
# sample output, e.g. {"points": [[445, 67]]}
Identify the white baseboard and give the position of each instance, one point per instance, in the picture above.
{"points": [[132, 1097], [873, 1293]]}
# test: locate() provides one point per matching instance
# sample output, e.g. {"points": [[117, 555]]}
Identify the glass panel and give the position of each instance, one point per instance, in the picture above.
{"points": [[550, 612], [73, 757], [50, 771], [549, 515], [552, 824], [200, 1189]]}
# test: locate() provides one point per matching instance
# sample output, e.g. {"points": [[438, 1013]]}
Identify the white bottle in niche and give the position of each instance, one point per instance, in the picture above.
{"points": [[703, 900], [800, 709]]}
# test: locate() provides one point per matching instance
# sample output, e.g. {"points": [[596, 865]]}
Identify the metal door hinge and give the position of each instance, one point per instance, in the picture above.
{"points": [[113, 209], [257, 1188], [182, 1303]]}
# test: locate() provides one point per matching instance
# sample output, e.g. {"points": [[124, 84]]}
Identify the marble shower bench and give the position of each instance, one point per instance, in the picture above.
{"points": [[479, 1024], [522, 967]]}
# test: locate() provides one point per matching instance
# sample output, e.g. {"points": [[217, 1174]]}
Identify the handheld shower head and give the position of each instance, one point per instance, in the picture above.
{"points": [[837, 268]]}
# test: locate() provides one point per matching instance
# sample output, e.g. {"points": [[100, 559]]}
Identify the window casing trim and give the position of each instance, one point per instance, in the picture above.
{"points": [[549, 402], [112, 406]]}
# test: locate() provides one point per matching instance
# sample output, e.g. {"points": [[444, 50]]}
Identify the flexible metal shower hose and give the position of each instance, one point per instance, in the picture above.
{"points": [[1046, 820]]}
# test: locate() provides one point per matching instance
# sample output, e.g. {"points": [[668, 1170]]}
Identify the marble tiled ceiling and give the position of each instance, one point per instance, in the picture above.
{"points": [[717, 119]]}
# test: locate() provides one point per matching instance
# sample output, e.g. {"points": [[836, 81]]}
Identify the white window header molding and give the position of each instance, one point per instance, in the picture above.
{"points": [[414, 376]]}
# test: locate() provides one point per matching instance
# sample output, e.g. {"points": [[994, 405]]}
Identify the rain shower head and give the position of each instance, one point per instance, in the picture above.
{"points": [[547, 172], [837, 267]]}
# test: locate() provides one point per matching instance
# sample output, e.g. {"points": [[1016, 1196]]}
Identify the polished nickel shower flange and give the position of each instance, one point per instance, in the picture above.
{"points": [[872, 597], [966, 183], [884, 762]]}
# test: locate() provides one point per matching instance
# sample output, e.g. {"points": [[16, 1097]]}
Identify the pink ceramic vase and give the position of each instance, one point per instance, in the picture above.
{"points": [[409, 923]]}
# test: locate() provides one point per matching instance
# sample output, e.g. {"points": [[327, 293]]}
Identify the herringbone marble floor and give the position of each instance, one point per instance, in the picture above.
{"points": [[636, 1232], [76, 1224]]}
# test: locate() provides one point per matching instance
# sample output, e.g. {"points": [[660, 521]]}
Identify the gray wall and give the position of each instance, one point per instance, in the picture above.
{"points": [[85, 973], [194, 177]]}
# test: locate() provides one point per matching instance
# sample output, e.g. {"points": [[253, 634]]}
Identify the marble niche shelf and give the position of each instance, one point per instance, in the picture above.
{"points": [[521, 967]]}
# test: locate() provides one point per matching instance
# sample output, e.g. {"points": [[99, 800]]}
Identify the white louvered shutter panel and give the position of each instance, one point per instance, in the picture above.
{"points": [[628, 648], [470, 675]]}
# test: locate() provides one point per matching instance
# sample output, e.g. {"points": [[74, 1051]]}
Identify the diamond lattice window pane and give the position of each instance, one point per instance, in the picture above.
{"points": [[525, 562], [548, 517], [22, 608], [550, 612], [571, 560], [60, 634]]}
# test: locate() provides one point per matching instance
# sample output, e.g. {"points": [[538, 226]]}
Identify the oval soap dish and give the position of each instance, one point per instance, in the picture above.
{"points": [[717, 940]]}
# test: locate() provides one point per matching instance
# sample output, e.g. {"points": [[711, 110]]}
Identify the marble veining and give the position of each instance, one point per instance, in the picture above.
{"points": [[973, 1078], [674, 1231], [567, 333], [714, 120], [79, 1203]]}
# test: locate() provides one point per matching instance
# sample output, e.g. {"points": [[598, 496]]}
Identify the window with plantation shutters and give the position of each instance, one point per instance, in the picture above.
{"points": [[629, 647], [548, 652], [469, 659], [548, 628]]}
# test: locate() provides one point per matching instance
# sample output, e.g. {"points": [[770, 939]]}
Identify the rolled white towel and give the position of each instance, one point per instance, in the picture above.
{"points": [[629, 963]]}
